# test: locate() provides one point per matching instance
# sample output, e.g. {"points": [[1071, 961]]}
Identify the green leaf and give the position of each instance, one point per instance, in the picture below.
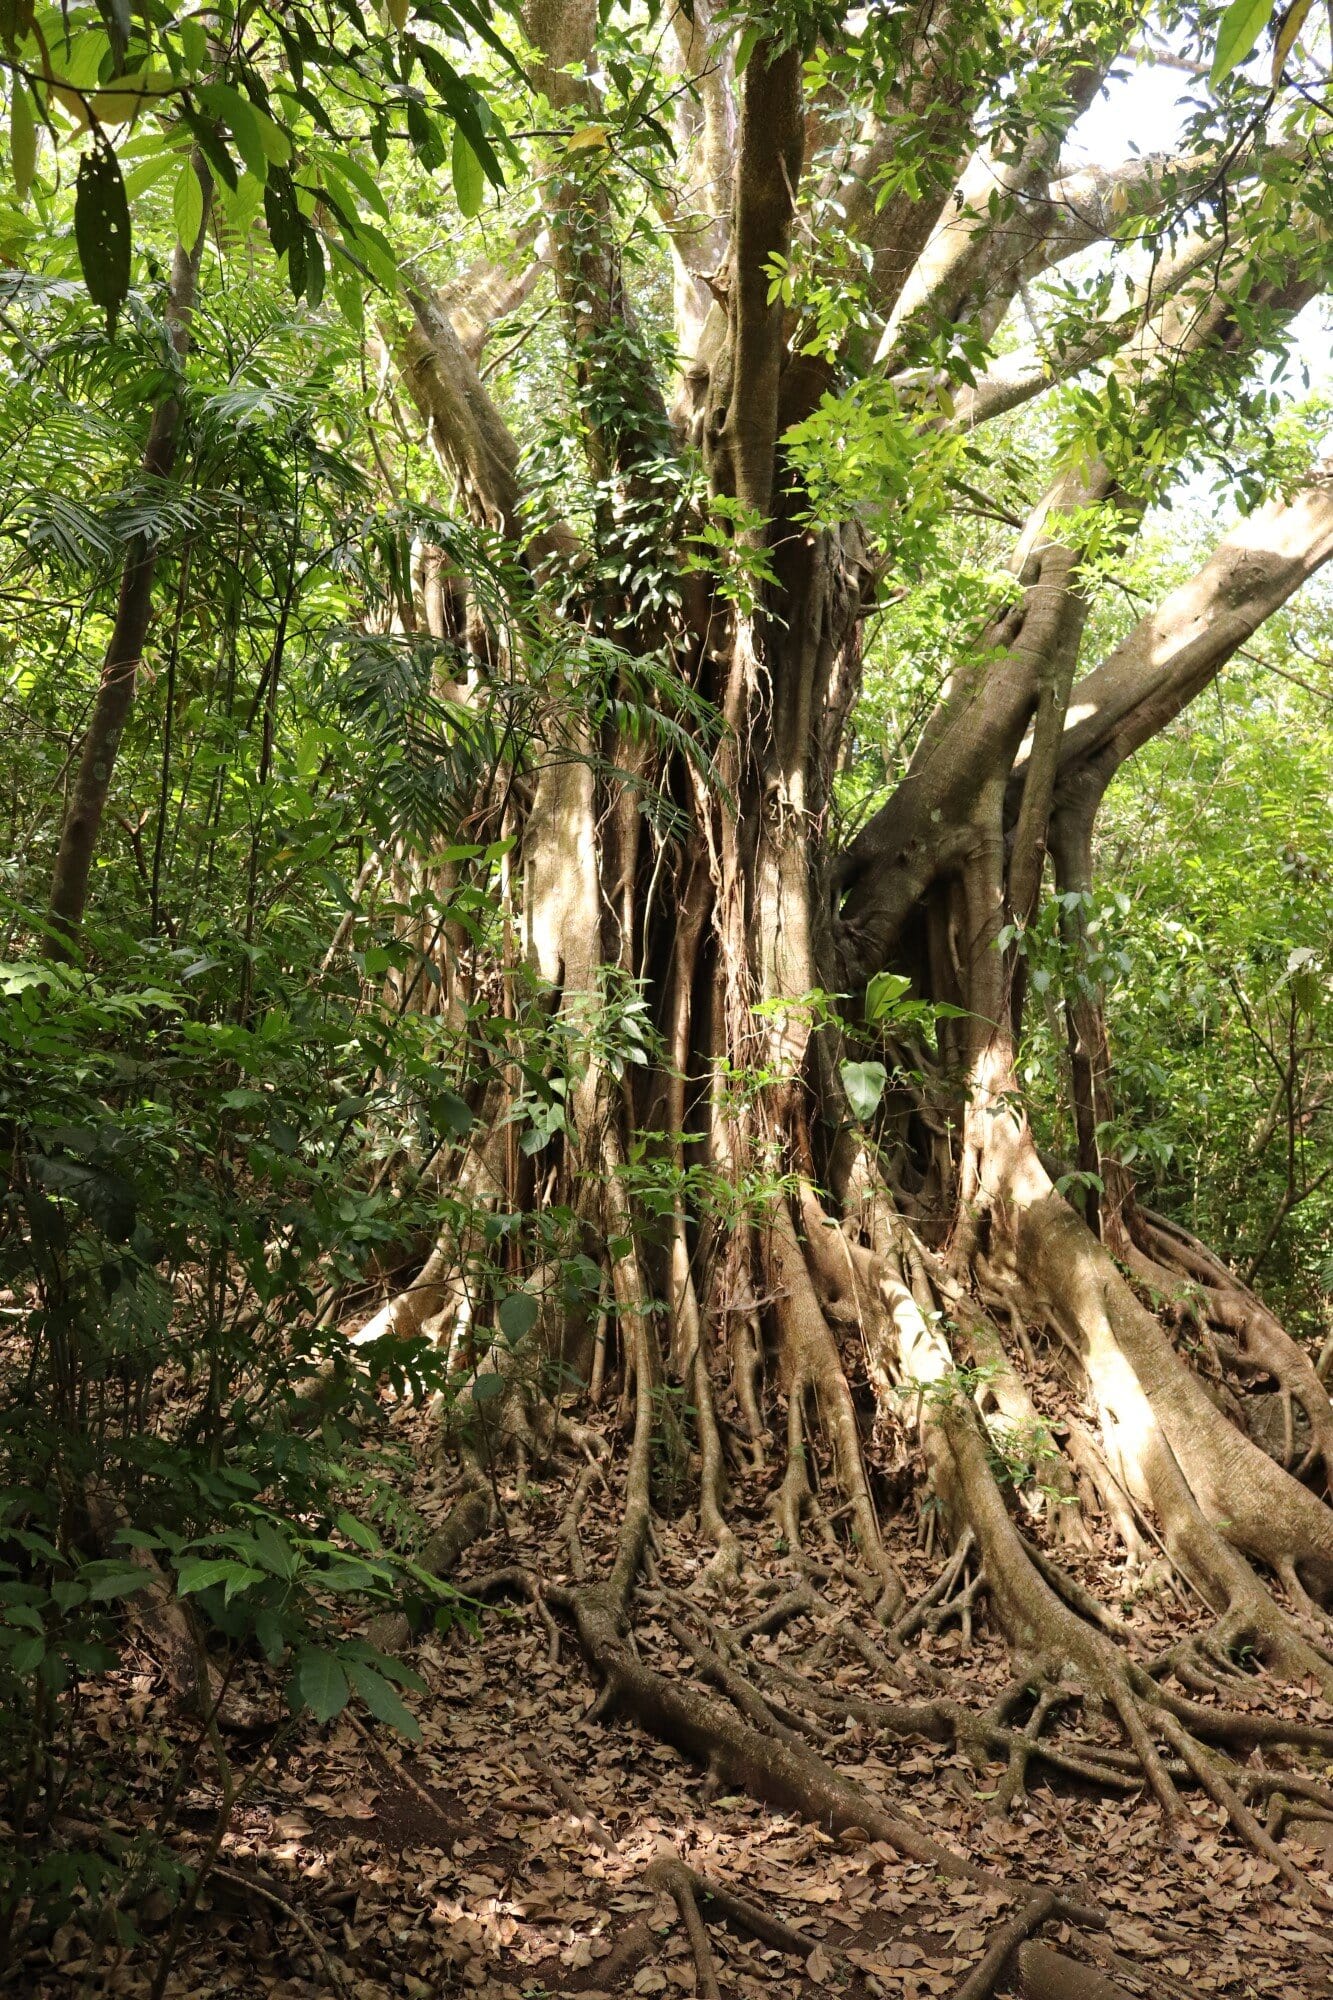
{"points": [[22, 140], [1239, 30], [116, 20], [864, 1084], [26, 1654], [454, 1113], [469, 180], [382, 1700], [746, 46], [239, 115], [187, 206], [319, 1684], [105, 1197], [884, 992], [357, 1531], [424, 133], [202, 1572], [102, 230], [108, 1580], [486, 1388], [275, 1554], [517, 1315], [194, 42], [244, 1575]]}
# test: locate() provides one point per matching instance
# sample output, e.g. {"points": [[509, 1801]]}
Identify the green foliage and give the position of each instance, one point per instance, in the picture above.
{"points": [[263, 97]]}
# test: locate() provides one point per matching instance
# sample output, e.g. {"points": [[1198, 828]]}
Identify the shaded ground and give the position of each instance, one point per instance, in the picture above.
{"points": [[505, 1856]]}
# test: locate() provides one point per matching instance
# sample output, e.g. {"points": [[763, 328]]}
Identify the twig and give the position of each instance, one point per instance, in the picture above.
{"points": [[332, 1971], [570, 1799]]}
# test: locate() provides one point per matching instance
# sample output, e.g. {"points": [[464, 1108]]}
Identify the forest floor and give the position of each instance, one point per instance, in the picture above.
{"points": [[507, 1854]]}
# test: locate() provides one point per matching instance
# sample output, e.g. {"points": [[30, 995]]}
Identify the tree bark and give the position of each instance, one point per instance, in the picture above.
{"points": [[86, 803]]}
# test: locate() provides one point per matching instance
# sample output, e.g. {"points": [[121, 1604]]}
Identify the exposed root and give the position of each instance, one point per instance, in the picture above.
{"points": [[1049, 1975], [1211, 1778], [675, 1878], [981, 1983], [811, 1360]]}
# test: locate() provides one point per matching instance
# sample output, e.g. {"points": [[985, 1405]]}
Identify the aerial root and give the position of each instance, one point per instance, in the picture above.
{"points": [[795, 1492], [726, 1557]]}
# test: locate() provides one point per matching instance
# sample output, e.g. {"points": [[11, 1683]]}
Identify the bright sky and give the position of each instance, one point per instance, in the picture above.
{"points": [[1144, 113]]}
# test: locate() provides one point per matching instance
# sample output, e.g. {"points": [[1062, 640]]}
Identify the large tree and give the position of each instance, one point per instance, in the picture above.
{"points": [[802, 287], [876, 254]]}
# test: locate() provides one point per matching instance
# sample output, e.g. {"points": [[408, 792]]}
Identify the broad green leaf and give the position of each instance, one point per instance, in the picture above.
{"points": [[194, 42], [486, 1388], [469, 180], [1239, 30], [187, 205], [110, 1580], [277, 146], [124, 97], [239, 115], [864, 1084], [746, 46], [320, 1684], [202, 1572], [26, 1654], [116, 20], [884, 992], [22, 140], [357, 1531], [242, 1578], [348, 168], [517, 1315], [102, 230], [383, 1701]]}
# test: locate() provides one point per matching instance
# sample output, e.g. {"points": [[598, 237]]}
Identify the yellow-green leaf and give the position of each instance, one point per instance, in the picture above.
{"points": [[187, 205], [22, 140], [194, 43], [400, 13], [69, 100], [586, 138], [1296, 18], [1238, 31], [469, 180], [123, 97], [277, 146]]}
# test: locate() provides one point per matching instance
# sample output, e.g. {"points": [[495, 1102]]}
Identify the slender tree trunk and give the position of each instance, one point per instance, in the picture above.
{"points": [[86, 804]]}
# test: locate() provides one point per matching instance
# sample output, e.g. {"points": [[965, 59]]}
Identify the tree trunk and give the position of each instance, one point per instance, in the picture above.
{"points": [[909, 1272], [87, 798]]}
